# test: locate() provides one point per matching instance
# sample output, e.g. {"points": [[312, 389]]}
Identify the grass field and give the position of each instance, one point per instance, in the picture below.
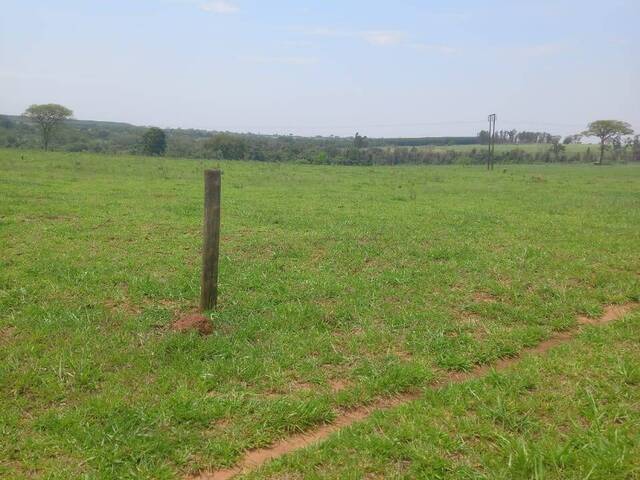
{"points": [[338, 285], [571, 414], [527, 147], [532, 147]]}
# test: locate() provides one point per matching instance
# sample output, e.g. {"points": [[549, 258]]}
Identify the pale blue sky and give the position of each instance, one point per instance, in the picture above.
{"points": [[402, 68]]}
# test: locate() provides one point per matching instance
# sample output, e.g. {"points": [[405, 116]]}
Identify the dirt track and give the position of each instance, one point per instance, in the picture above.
{"points": [[255, 458]]}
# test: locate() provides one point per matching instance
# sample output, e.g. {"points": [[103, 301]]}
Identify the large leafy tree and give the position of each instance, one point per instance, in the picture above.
{"points": [[607, 131], [154, 141], [48, 117]]}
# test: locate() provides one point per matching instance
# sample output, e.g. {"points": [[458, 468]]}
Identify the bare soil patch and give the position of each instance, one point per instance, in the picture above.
{"points": [[337, 385], [610, 313], [7, 333], [484, 297], [193, 322]]}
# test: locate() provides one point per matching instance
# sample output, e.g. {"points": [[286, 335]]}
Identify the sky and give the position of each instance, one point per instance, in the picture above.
{"points": [[382, 68]]}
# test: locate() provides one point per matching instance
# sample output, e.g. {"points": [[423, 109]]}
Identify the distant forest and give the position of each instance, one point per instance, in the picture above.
{"points": [[123, 138]]}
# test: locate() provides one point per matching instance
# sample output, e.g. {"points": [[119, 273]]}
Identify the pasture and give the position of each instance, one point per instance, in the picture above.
{"points": [[572, 148], [338, 286], [527, 147]]}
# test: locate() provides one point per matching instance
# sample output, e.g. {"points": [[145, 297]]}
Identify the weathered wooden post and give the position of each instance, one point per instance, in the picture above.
{"points": [[211, 240]]}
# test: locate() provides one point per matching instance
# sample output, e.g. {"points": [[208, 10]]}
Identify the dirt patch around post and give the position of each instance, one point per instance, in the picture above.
{"points": [[193, 322], [255, 458]]}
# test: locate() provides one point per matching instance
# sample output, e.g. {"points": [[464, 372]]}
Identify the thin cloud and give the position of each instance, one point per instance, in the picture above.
{"points": [[433, 48], [372, 37], [541, 50], [377, 38], [382, 37], [282, 60], [622, 42], [220, 6]]}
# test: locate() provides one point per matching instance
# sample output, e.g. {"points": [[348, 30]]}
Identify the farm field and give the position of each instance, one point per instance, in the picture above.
{"points": [[527, 147], [338, 286], [572, 413]]}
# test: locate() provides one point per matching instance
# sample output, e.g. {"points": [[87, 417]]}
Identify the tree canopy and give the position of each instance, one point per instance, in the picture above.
{"points": [[114, 137], [607, 131], [226, 146], [154, 141], [48, 117], [359, 141]]}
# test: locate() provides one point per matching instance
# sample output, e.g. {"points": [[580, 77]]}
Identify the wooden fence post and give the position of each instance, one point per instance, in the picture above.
{"points": [[211, 240]]}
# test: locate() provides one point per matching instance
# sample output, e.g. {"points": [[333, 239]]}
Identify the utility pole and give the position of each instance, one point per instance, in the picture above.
{"points": [[492, 140]]}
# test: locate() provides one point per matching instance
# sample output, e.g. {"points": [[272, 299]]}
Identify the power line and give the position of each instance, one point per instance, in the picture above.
{"points": [[379, 125], [551, 124], [395, 125]]}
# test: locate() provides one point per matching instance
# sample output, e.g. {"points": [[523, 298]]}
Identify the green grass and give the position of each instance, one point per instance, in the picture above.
{"points": [[527, 147], [571, 414], [533, 147], [378, 276]]}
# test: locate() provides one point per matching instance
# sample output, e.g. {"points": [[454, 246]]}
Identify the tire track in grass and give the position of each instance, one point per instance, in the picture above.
{"points": [[257, 457]]}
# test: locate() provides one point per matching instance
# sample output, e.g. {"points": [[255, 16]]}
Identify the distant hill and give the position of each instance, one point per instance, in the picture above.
{"points": [[75, 122], [121, 137], [124, 138]]}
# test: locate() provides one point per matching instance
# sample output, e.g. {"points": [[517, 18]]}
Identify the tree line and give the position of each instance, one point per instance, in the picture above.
{"points": [[556, 153], [515, 137], [51, 124]]}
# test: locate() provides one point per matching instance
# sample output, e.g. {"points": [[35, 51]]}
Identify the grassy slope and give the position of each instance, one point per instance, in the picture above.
{"points": [[379, 276], [571, 414]]}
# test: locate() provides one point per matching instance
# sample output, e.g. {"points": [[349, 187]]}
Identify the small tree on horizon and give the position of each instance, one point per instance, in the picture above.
{"points": [[569, 139], [154, 141], [607, 131], [360, 141], [48, 117], [557, 148]]}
